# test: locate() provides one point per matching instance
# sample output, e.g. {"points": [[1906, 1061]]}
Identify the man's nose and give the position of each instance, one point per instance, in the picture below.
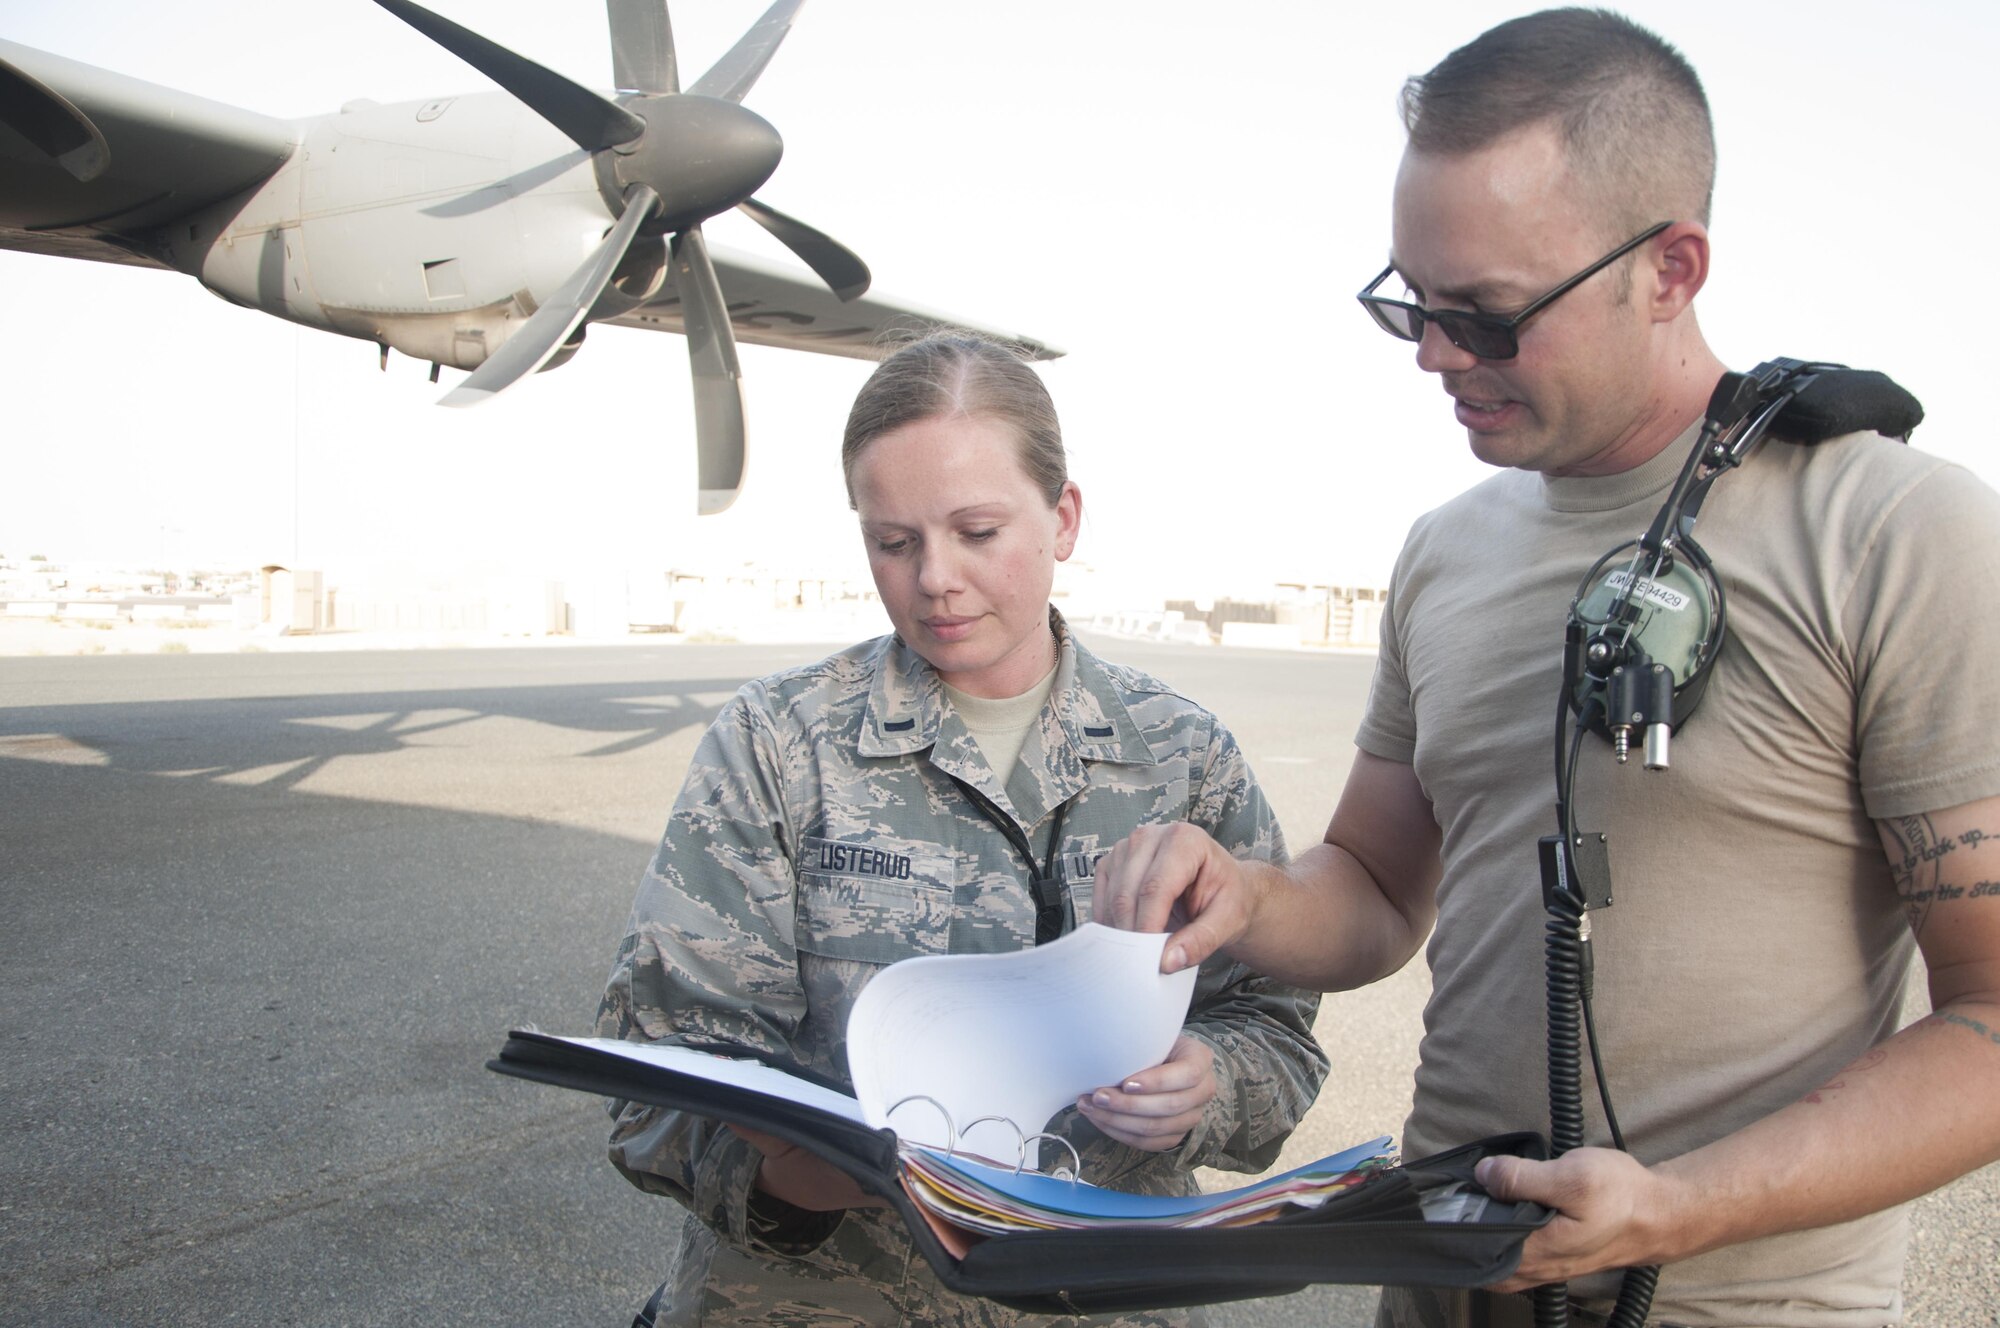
{"points": [[1437, 354]]}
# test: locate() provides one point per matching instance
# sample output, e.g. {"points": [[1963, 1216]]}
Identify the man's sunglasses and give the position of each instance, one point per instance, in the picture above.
{"points": [[1489, 336]]}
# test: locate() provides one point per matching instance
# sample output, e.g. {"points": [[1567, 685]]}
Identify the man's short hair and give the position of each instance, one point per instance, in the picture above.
{"points": [[1627, 106]]}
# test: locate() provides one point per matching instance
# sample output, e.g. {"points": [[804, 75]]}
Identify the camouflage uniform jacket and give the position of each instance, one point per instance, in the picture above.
{"points": [[819, 837]]}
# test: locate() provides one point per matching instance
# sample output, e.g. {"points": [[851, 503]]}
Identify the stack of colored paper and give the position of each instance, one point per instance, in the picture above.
{"points": [[980, 1197]]}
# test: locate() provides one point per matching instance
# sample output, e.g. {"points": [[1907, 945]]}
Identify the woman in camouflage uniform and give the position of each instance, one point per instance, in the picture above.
{"points": [[944, 790]]}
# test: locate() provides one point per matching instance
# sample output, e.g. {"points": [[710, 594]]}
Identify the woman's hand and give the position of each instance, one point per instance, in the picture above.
{"points": [[802, 1180], [1155, 1109]]}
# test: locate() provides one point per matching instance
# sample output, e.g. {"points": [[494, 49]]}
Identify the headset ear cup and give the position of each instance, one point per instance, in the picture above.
{"points": [[1670, 613], [1688, 693]]}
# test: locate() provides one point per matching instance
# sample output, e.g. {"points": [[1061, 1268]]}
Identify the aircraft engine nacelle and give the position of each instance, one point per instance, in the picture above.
{"points": [[434, 227]]}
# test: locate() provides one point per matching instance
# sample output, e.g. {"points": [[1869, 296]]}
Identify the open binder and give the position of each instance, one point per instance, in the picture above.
{"points": [[1420, 1222]]}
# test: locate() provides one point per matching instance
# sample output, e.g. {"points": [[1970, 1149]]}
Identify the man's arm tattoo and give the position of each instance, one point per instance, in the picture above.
{"points": [[1839, 1081], [1916, 866], [1948, 1017], [1917, 863]]}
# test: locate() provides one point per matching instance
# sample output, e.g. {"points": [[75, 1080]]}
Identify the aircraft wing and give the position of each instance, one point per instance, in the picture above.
{"points": [[771, 305], [93, 163]]}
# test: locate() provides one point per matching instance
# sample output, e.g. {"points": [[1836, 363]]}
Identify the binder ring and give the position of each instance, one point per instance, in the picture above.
{"points": [[1020, 1140], [952, 1148], [1060, 1173], [950, 1129]]}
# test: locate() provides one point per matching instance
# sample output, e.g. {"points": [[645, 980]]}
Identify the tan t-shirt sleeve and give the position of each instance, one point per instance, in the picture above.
{"points": [[1922, 617], [1388, 722]]}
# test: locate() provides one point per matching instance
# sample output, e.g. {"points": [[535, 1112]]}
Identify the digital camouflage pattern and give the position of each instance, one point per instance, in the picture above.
{"points": [[819, 837]]}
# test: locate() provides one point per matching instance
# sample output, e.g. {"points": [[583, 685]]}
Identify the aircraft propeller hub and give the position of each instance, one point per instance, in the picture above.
{"points": [[701, 155]]}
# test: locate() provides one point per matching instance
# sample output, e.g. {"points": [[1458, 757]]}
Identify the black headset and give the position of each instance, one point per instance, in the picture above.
{"points": [[1649, 618]]}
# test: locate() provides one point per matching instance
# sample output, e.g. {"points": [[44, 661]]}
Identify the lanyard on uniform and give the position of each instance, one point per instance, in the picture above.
{"points": [[1045, 885]]}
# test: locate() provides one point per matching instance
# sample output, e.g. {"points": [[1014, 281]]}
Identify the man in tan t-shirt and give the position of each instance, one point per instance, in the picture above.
{"points": [[1833, 807]]}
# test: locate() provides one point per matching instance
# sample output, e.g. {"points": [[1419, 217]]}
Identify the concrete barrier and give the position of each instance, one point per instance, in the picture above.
{"points": [[89, 611], [1263, 636], [1148, 625], [32, 608], [1366, 629]]}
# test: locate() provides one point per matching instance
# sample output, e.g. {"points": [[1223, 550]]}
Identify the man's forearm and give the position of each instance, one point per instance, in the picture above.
{"points": [[1353, 908], [1912, 1114], [1323, 923]]}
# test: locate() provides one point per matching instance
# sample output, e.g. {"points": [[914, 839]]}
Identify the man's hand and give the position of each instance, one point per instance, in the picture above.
{"points": [[791, 1173], [1155, 1109], [1162, 876], [1610, 1211]]}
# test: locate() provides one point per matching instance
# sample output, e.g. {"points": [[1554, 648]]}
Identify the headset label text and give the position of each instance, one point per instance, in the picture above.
{"points": [[1652, 592]]}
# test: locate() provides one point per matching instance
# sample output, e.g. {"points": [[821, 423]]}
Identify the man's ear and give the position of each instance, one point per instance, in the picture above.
{"points": [[1679, 270]]}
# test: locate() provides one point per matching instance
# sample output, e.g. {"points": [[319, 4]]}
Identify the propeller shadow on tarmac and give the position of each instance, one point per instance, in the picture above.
{"points": [[250, 1003]]}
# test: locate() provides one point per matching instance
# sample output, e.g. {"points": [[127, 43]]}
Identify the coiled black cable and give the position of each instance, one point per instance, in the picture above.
{"points": [[1563, 949], [1563, 959], [1635, 1297], [1566, 969]]}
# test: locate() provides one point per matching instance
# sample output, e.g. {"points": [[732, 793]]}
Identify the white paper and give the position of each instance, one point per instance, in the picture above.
{"points": [[1018, 1036]]}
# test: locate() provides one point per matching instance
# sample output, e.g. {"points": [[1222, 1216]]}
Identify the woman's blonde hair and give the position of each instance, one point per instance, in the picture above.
{"points": [[953, 373]]}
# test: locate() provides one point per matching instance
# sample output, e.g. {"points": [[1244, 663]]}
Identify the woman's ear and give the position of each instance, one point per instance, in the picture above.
{"points": [[1069, 519]]}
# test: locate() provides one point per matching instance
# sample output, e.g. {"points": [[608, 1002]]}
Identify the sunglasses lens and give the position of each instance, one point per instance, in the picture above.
{"points": [[1483, 339], [1398, 320]]}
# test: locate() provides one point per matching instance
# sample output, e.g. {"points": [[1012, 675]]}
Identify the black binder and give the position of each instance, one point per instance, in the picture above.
{"points": [[1375, 1235]]}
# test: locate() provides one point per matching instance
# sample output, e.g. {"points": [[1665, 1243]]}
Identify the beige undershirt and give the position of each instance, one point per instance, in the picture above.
{"points": [[1000, 724]]}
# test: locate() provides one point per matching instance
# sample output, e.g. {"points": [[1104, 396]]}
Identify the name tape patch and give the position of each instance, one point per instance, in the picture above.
{"points": [[830, 857]]}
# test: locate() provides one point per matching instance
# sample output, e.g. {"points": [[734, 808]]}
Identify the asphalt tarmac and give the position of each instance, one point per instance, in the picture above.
{"points": [[264, 917]]}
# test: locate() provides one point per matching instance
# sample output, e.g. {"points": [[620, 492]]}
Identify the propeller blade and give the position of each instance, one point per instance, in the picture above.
{"points": [[736, 73], [642, 47], [591, 122], [837, 265], [718, 382], [48, 120], [529, 348]]}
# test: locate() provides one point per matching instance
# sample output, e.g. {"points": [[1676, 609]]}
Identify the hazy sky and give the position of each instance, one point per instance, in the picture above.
{"points": [[1185, 197]]}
